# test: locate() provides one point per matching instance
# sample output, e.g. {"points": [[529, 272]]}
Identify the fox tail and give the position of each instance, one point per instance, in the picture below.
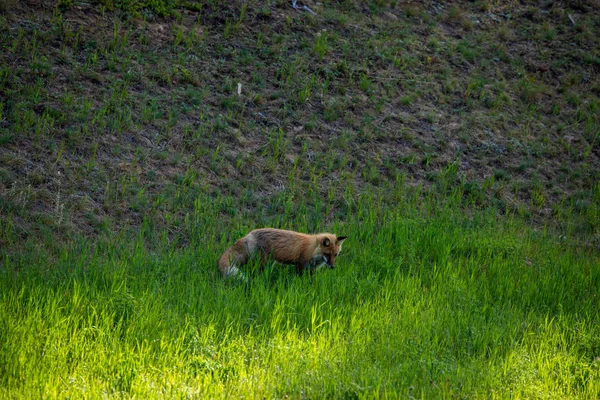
{"points": [[227, 265]]}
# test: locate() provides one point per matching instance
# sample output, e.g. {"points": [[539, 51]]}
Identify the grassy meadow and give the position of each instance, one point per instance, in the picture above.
{"points": [[456, 144], [424, 302]]}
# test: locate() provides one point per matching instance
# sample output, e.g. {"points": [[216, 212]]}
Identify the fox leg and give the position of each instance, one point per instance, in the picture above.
{"points": [[300, 268], [264, 258], [313, 264]]}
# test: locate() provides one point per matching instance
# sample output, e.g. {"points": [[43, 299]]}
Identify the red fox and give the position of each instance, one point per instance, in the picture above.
{"points": [[306, 252]]}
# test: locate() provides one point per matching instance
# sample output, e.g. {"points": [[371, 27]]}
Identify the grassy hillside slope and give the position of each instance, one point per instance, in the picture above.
{"points": [[457, 144], [111, 117]]}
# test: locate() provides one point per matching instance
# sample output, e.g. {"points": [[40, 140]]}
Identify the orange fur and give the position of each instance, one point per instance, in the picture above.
{"points": [[287, 247]]}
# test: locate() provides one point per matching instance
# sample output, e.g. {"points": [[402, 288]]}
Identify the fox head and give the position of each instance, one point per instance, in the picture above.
{"points": [[330, 246]]}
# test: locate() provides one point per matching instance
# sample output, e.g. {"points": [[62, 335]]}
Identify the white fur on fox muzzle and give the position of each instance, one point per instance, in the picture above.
{"points": [[325, 263]]}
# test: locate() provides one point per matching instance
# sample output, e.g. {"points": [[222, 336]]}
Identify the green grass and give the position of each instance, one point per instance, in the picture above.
{"points": [[457, 147], [424, 302]]}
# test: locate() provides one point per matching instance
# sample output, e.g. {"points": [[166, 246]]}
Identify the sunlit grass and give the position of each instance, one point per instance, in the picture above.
{"points": [[422, 303]]}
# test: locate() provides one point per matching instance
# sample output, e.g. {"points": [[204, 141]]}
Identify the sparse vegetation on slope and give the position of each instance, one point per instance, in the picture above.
{"points": [[114, 116]]}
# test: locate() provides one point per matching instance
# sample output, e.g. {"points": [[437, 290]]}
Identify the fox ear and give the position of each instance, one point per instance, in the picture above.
{"points": [[340, 239], [326, 242]]}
